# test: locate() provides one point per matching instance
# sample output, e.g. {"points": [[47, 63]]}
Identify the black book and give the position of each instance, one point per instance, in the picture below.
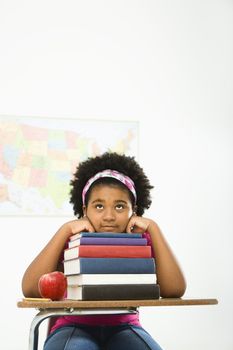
{"points": [[114, 292]]}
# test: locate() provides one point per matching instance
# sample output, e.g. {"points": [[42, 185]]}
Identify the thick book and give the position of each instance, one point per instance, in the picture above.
{"points": [[110, 251], [105, 234], [106, 241], [81, 279], [114, 292], [109, 265]]}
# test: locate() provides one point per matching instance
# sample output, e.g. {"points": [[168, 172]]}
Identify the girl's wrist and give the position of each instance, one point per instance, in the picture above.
{"points": [[66, 230], [152, 227]]}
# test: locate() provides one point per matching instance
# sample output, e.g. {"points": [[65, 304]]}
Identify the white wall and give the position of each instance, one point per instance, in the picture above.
{"points": [[167, 64]]}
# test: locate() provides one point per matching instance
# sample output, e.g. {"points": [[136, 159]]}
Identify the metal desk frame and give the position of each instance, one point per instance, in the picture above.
{"points": [[48, 309]]}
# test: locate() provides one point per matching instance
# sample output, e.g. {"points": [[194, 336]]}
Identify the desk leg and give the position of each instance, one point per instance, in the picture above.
{"points": [[46, 313], [34, 329]]}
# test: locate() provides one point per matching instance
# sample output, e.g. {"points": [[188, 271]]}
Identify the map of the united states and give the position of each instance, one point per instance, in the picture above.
{"points": [[37, 162]]}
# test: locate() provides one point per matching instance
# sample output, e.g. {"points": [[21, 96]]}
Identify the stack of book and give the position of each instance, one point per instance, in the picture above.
{"points": [[110, 266]]}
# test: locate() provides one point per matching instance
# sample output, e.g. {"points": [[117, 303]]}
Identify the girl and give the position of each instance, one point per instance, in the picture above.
{"points": [[109, 193]]}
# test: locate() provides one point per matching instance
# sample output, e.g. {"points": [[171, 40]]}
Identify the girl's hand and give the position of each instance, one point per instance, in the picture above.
{"points": [[79, 225], [138, 224]]}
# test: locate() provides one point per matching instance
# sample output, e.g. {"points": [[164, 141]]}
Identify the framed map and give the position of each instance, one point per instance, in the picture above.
{"points": [[38, 157]]}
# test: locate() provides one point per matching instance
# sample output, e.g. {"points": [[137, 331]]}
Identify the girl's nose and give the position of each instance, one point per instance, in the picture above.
{"points": [[109, 214]]}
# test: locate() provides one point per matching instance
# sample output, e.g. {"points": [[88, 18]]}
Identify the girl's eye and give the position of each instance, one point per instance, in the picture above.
{"points": [[99, 206], [120, 206]]}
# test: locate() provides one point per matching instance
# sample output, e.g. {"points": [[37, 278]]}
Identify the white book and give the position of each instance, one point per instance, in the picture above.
{"points": [[85, 279]]}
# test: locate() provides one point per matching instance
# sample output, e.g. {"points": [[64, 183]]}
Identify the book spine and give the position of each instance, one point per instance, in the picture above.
{"points": [[107, 241], [106, 234], [109, 252], [82, 279], [114, 292], [109, 265]]}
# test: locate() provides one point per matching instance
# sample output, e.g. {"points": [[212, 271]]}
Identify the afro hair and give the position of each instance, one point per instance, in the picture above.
{"points": [[110, 160]]}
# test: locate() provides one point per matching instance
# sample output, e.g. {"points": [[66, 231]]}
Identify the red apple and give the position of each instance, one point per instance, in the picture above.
{"points": [[53, 285]]}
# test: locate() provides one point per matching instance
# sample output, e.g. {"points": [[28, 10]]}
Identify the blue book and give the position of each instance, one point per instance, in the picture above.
{"points": [[109, 266], [105, 234]]}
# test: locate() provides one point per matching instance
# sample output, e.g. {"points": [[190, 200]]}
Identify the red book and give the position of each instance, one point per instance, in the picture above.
{"points": [[103, 251]]}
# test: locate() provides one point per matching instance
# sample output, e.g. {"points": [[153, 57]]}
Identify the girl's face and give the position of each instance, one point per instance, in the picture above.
{"points": [[109, 208]]}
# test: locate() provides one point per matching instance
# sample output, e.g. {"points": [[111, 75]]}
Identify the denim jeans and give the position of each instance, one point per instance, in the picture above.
{"points": [[82, 337]]}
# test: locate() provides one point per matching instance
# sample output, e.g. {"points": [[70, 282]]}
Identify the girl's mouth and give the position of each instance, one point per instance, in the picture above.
{"points": [[109, 228]]}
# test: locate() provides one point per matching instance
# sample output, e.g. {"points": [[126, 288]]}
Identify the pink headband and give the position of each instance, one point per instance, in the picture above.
{"points": [[113, 174]]}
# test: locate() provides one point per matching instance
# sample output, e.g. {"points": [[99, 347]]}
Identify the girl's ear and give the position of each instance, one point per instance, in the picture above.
{"points": [[135, 208], [84, 211]]}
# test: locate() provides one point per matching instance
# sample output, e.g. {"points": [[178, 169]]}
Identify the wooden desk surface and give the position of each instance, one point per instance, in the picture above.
{"points": [[99, 304]]}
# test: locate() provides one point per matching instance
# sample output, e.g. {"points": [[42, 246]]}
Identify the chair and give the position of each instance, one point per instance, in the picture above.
{"points": [[51, 309]]}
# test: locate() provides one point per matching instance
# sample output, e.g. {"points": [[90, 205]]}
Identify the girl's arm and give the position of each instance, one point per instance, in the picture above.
{"points": [[48, 259], [169, 274]]}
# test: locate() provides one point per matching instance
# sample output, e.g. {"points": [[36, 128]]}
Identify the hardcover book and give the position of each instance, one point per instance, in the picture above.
{"points": [[106, 241], [109, 265], [114, 292], [105, 234], [104, 251], [84, 279]]}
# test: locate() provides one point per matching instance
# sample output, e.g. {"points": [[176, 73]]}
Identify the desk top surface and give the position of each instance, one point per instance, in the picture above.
{"points": [[84, 304]]}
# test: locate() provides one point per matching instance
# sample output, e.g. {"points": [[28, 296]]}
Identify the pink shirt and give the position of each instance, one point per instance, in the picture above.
{"points": [[101, 320]]}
